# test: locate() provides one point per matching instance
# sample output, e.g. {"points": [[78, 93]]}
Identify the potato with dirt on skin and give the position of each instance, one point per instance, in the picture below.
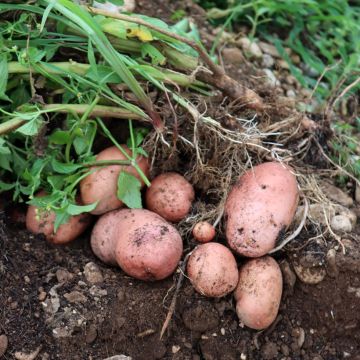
{"points": [[170, 195], [141, 242], [42, 222], [212, 270], [260, 207], [258, 293], [203, 232], [102, 183]]}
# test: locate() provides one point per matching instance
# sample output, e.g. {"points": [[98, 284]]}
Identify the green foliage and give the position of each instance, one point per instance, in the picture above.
{"points": [[51, 149]]}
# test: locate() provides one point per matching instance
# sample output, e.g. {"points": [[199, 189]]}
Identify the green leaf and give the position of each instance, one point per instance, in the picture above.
{"points": [[56, 181], [5, 186], [64, 168], [157, 58], [3, 78], [62, 217], [79, 209], [32, 127], [129, 190], [5, 162], [4, 150], [60, 137]]}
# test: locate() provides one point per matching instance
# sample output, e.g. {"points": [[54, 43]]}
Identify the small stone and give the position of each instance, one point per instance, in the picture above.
{"points": [[63, 276], [357, 193], [250, 47], [310, 275], [27, 279], [222, 331], [285, 349], [96, 291], [233, 56], [20, 355], [288, 274], [3, 344], [271, 78], [14, 305], [282, 64], [337, 195], [91, 334], [121, 295], [175, 349], [42, 296], [269, 351], [341, 223], [271, 49], [267, 61], [331, 267], [75, 297], [93, 274], [290, 93]]}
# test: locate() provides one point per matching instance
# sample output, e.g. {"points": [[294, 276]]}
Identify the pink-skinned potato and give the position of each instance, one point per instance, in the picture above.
{"points": [[203, 232], [102, 183], [258, 293], [146, 246], [103, 237], [170, 195], [260, 207], [212, 270], [42, 222]]}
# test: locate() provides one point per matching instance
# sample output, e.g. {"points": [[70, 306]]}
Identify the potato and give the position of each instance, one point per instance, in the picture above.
{"points": [[42, 222], [212, 270], [101, 184], [147, 247], [170, 195], [203, 232], [103, 238], [259, 208], [258, 293]]}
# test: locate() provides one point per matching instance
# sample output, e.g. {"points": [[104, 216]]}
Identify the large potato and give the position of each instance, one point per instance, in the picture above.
{"points": [[102, 183], [258, 293], [147, 247], [259, 208], [212, 270], [170, 195], [103, 237], [42, 222]]}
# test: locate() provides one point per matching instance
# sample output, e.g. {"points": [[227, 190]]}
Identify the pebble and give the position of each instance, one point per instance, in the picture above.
{"points": [[285, 350], [119, 357], [20, 355], [341, 223], [331, 267], [121, 295], [233, 56], [27, 279], [310, 275], [91, 334], [269, 351], [337, 195], [271, 49], [250, 47], [282, 64], [96, 291], [290, 93], [42, 295], [288, 274], [63, 276], [271, 78], [175, 349], [75, 297], [3, 344], [357, 193], [93, 274], [267, 61]]}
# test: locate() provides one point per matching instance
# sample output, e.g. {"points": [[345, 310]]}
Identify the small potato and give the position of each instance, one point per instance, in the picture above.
{"points": [[212, 270], [147, 247], [203, 232], [42, 222], [259, 208], [258, 293], [101, 184], [170, 195]]}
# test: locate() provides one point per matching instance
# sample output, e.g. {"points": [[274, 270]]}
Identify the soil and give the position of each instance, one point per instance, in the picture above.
{"points": [[51, 303]]}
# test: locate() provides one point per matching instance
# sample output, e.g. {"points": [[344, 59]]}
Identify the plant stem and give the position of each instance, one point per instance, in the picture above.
{"points": [[106, 163], [98, 111]]}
